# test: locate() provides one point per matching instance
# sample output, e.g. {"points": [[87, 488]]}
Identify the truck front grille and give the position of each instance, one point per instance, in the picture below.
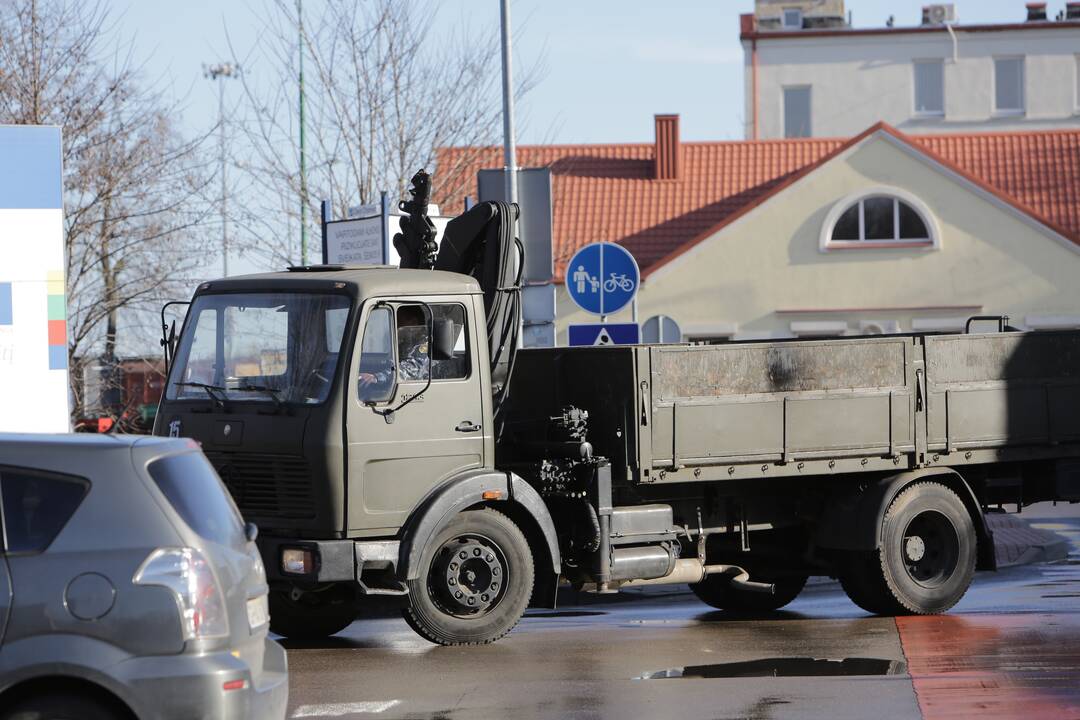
{"points": [[266, 486]]}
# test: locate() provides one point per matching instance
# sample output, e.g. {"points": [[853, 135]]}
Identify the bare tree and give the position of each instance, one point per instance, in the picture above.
{"points": [[385, 88], [134, 200]]}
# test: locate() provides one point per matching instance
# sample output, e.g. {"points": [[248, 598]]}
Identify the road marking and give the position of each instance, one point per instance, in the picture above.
{"points": [[339, 709]]}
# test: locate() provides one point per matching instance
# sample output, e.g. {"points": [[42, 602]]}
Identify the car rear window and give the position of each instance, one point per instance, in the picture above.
{"points": [[37, 505], [195, 491]]}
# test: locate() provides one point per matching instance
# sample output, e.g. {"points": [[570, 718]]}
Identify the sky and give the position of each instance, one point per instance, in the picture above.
{"points": [[609, 65]]}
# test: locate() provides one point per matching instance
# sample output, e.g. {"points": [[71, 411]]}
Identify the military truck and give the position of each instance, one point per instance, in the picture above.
{"points": [[382, 429]]}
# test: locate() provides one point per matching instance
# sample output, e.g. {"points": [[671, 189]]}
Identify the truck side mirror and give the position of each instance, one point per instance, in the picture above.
{"points": [[443, 340]]}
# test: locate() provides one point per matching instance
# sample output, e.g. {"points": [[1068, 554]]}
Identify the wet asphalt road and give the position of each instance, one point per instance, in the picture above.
{"points": [[1011, 648]]}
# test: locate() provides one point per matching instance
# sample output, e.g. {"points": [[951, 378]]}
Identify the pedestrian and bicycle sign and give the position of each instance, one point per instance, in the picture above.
{"points": [[604, 334], [602, 278]]}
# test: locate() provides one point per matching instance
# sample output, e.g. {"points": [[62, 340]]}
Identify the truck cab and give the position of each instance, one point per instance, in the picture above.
{"points": [[334, 403]]}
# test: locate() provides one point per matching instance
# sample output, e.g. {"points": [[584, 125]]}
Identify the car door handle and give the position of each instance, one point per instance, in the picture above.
{"points": [[467, 427]]}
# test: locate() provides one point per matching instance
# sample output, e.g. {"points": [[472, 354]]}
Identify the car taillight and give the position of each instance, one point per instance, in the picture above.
{"points": [[186, 572]]}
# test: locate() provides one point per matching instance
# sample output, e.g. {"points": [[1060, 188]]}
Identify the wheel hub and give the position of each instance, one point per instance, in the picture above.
{"points": [[914, 548], [471, 575], [930, 548]]}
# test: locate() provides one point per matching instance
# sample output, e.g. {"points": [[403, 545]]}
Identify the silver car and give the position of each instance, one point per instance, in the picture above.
{"points": [[129, 586]]}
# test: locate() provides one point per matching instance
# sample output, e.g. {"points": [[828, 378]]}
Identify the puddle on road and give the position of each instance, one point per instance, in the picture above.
{"points": [[784, 667]]}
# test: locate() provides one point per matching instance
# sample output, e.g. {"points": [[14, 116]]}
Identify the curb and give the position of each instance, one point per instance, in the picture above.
{"points": [[1017, 542]]}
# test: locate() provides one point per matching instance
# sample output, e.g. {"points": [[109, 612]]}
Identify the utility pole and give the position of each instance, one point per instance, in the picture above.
{"points": [[509, 152], [303, 164], [222, 71]]}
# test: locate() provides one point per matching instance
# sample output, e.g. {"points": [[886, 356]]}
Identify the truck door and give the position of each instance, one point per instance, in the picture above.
{"points": [[397, 453]]}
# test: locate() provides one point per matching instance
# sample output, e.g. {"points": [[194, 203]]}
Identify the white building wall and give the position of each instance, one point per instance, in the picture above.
{"points": [[766, 276], [859, 80]]}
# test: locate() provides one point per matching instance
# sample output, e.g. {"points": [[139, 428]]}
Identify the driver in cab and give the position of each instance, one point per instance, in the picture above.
{"points": [[414, 360]]}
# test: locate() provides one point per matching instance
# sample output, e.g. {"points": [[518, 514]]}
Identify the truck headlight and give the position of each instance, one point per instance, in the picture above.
{"points": [[297, 561]]}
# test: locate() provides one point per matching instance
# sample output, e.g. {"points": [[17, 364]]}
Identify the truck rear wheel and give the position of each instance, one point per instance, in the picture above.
{"points": [[717, 590], [306, 619], [475, 583], [927, 556]]}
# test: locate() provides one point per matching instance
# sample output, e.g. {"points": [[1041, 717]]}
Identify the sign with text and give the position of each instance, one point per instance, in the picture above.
{"points": [[356, 242], [33, 308]]}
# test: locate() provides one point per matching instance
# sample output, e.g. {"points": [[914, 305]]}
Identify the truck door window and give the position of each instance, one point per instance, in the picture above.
{"points": [[377, 373], [413, 337]]}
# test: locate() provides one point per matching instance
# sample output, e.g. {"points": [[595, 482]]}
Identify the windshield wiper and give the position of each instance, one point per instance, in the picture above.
{"points": [[272, 392], [211, 390]]}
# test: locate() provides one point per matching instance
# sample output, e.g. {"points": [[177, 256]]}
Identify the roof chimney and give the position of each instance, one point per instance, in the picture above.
{"points": [[668, 152], [1036, 11]]}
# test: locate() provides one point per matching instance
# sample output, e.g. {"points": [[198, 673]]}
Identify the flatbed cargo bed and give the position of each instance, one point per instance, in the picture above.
{"points": [[686, 413]]}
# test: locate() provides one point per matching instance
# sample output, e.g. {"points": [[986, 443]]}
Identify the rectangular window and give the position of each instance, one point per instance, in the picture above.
{"points": [[260, 347], [929, 87], [413, 351], [792, 19], [1009, 85], [36, 506], [797, 111]]}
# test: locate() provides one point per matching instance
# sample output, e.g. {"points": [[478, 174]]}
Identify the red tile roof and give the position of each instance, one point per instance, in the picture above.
{"points": [[607, 192]]}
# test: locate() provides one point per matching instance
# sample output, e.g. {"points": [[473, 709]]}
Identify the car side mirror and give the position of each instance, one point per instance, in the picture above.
{"points": [[443, 340], [251, 531]]}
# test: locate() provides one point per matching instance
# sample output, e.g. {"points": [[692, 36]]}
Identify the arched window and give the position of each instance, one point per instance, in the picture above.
{"points": [[882, 217]]}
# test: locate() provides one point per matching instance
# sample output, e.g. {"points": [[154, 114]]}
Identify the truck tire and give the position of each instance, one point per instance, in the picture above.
{"points": [[926, 560], [717, 590], [308, 620], [475, 583]]}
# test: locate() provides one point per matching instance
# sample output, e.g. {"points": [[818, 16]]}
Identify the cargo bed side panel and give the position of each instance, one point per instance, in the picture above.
{"points": [[782, 401], [1000, 390]]}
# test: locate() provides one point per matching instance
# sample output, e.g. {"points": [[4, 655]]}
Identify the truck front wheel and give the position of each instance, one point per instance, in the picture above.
{"points": [[475, 583], [927, 556]]}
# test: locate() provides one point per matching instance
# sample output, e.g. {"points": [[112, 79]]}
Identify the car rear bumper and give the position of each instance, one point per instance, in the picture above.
{"points": [[194, 686]]}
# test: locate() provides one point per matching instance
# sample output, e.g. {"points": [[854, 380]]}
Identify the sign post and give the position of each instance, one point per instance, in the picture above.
{"points": [[603, 278]]}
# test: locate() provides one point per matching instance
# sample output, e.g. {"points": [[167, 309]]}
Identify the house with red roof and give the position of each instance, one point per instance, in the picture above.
{"points": [[878, 233]]}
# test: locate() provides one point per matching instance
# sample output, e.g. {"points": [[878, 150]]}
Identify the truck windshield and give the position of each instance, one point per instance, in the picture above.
{"points": [[267, 347]]}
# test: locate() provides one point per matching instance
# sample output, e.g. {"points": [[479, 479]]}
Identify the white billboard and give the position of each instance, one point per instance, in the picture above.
{"points": [[33, 308], [369, 240]]}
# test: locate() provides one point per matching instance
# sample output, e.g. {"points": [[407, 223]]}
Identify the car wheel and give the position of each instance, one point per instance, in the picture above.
{"points": [[301, 620], [63, 707], [476, 581], [927, 557], [718, 591]]}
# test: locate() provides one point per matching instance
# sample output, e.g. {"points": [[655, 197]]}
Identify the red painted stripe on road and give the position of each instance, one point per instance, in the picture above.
{"points": [[994, 666]]}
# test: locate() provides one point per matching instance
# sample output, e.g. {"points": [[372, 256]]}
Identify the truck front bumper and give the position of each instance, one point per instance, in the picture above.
{"points": [[372, 564]]}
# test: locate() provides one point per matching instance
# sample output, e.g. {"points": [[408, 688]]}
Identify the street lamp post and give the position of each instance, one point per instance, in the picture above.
{"points": [[509, 151], [222, 71]]}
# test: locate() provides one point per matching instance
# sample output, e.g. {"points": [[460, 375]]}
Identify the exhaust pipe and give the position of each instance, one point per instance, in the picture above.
{"points": [[690, 571]]}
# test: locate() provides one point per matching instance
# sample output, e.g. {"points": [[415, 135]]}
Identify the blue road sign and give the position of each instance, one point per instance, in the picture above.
{"points": [[604, 334], [602, 278]]}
